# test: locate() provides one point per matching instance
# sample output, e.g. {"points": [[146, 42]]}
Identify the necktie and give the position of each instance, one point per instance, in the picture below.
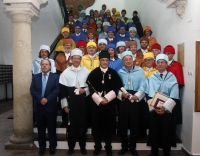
{"points": [[44, 82], [161, 75]]}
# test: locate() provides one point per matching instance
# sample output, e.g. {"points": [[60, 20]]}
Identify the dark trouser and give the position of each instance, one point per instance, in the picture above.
{"points": [[64, 118], [160, 132], [108, 141], [128, 119], [143, 122], [124, 141], [46, 120], [72, 142]]}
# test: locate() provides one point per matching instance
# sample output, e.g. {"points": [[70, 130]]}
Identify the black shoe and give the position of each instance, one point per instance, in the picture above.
{"points": [[41, 152], [152, 154], [109, 153], [52, 151], [134, 152], [96, 152], [83, 152], [122, 151], [70, 152]]}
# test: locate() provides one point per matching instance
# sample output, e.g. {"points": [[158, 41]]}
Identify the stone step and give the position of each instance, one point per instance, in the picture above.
{"points": [[116, 145]]}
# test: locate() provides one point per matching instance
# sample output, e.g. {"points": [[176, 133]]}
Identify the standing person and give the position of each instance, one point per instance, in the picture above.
{"points": [[144, 42], [132, 46], [162, 120], [103, 35], [80, 7], [91, 13], [132, 78], [148, 64], [81, 44], [82, 16], [121, 47], [45, 89], [85, 25], [102, 43], [71, 22], [78, 35], [66, 35], [99, 29], [91, 35], [124, 18], [104, 86], [156, 49], [122, 35], [90, 60], [62, 60], [115, 63], [111, 38], [135, 17], [132, 34], [75, 90], [43, 54], [147, 33], [96, 15], [174, 66], [113, 14]]}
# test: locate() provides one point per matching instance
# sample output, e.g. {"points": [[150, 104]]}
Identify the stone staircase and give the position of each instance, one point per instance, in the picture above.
{"points": [[116, 145]]}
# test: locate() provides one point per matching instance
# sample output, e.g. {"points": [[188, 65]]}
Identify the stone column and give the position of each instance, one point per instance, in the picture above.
{"points": [[22, 12]]}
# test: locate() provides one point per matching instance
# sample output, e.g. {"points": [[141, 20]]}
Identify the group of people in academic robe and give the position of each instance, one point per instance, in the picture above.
{"points": [[107, 81], [102, 85]]}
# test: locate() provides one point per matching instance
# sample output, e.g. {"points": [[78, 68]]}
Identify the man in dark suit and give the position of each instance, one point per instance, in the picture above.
{"points": [[45, 89]]}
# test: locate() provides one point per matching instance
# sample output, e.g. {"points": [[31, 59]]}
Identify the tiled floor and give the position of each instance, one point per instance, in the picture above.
{"points": [[6, 128]]}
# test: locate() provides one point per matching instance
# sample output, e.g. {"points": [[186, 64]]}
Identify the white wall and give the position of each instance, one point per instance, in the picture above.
{"points": [[196, 115], [168, 28], [45, 29]]}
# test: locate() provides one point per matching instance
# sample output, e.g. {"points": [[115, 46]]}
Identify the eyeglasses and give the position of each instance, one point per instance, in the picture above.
{"points": [[102, 44]]}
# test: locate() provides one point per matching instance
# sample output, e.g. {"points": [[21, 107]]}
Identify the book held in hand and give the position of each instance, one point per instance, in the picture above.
{"points": [[158, 99]]}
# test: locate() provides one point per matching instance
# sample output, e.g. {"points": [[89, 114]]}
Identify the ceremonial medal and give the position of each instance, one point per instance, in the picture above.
{"points": [[102, 79], [137, 62]]}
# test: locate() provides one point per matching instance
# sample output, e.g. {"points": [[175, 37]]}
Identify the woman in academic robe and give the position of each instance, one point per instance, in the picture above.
{"points": [[104, 84], [115, 63], [120, 48], [147, 33], [43, 54]]}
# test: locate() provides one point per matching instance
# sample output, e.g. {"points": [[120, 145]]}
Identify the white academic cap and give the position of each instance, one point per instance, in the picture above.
{"points": [[76, 51], [106, 23], [120, 43], [133, 28], [45, 47], [162, 57], [102, 41], [126, 53]]}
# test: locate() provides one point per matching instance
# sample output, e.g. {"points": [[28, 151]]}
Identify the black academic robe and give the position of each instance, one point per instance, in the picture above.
{"points": [[77, 113], [162, 128], [104, 116]]}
